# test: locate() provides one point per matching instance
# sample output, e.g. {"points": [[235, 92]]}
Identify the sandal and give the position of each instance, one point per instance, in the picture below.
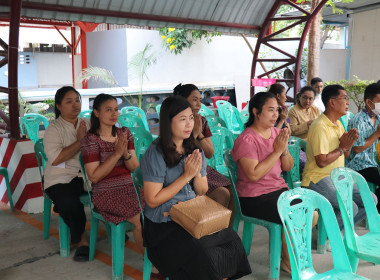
{"points": [[81, 254]]}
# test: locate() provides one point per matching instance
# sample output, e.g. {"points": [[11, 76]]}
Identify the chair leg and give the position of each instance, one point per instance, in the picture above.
{"points": [[47, 214], [236, 223], [6, 177], [118, 243], [247, 236], [147, 266], [322, 236], [64, 238], [109, 233], [93, 237], [275, 243], [354, 262]]}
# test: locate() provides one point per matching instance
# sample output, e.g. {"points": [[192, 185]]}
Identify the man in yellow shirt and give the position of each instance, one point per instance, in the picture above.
{"points": [[327, 146]]}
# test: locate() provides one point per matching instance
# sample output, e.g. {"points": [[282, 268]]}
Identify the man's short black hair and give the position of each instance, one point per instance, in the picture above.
{"points": [[315, 80], [371, 91], [329, 92]]}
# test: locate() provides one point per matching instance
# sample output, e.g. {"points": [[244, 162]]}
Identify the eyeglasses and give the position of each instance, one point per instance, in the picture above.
{"points": [[307, 98], [343, 97]]}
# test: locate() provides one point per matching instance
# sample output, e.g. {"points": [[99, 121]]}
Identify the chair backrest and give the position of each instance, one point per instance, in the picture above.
{"points": [[345, 119], [232, 171], [205, 111], [215, 121], [296, 208], [81, 163], [41, 156], [130, 120], [138, 112], [219, 105], [231, 116], [298, 141], [293, 175], [244, 116], [222, 139], [158, 109], [138, 181], [344, 180], [32, 122], [85, 114], [142, 140]]}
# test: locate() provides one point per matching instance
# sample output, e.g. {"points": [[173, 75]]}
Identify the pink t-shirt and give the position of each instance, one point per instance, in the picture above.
{"points": [[251, 145]]}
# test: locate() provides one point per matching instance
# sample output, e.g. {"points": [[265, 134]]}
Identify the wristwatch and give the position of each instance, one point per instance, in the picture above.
{"points": [[128, 158], [340, 150]]}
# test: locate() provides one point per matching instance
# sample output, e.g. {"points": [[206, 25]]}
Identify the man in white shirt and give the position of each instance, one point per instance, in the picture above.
{"points": [[317, 84]]}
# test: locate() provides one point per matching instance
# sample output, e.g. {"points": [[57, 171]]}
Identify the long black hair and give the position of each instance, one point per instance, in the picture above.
{"points": [[171, 107], [257, 101], [184, 90], [59, 95], [98, 102]]}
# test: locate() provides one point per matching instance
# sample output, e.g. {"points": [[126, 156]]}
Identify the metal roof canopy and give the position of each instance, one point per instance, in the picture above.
{"points": [[240, 16]]}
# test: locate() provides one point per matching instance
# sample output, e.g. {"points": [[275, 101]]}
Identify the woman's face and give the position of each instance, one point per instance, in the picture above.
{"points": [[108, 113], [182, 124], [307, 99], [269, 113], [195, 100], [282, 98], [70, 106]]}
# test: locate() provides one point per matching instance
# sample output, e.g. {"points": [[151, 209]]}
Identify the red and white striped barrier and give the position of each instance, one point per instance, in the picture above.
{"points": [[25, 181]]}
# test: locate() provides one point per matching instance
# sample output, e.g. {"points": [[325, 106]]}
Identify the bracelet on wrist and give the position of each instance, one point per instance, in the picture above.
{"points": [[340, 150], [129, 157], [285, 154]]}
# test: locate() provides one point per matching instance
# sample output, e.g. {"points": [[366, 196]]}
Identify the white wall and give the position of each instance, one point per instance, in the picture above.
{"points": [[333, 64], [365, 46]]}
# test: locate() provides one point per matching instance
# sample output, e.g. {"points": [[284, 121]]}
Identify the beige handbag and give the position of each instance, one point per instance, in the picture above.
{"points": [[201, 216]]}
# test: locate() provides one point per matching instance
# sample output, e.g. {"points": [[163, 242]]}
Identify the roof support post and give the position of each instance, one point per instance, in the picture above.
{"points": [[12, 68], [266, 39]]}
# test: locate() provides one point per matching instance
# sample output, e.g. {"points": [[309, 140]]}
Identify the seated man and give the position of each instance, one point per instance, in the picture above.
{"points": [[317, 84], [367, 122], [326, 143]]}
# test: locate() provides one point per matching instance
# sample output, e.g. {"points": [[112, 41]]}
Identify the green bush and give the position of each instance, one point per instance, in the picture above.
{"points": [[355, 89]]}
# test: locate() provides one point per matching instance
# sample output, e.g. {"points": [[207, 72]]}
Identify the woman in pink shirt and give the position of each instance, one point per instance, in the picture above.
{"points": [[261, 153]]}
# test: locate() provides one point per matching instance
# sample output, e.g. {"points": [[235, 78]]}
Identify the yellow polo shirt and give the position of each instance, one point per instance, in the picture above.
{"points": [[323, 138]]}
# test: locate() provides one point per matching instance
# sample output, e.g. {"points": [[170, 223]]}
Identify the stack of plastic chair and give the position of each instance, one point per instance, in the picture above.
{"points": [[142, 140], [230, 115], [205, 111], [215, 121], [367, 246], [296, 208], [244, 116], [137, 112], [85, 114], [219, 104], [32, 122], [130, 120], [4, 173], [274, 229], [345, 119], [115, 232], [138, 182], [222, 139]]}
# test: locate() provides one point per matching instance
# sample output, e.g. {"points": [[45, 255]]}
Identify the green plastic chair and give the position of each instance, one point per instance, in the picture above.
{"points": [[367, 246], [222, 139], [220, 103], [137, 112], [244, 116], [205, 111], [142, 140], [115, 232], [4, 173], [158, 109], [130, 120], [292, 178], [231, 116], [138, 181], [85, 114], [215, 121], [345, 119], [32, 122], [249, 224], [296, 208]]}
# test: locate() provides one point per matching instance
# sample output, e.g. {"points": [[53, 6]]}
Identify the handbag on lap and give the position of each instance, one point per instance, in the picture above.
{"points": [[201, 216]]}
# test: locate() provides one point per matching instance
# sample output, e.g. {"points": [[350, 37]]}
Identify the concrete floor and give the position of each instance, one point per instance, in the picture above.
{"points": [[24, 254]]}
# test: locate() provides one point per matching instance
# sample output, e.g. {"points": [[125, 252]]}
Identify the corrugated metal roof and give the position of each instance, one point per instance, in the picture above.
{"points": [[236, 16]]}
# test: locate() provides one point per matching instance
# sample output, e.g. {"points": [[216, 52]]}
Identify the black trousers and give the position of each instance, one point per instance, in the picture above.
{"points": [[372, 175], [67, 203]]}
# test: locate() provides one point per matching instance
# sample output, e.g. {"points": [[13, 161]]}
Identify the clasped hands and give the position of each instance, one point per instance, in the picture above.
{"points": [[193, 164], [347, 140]]}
